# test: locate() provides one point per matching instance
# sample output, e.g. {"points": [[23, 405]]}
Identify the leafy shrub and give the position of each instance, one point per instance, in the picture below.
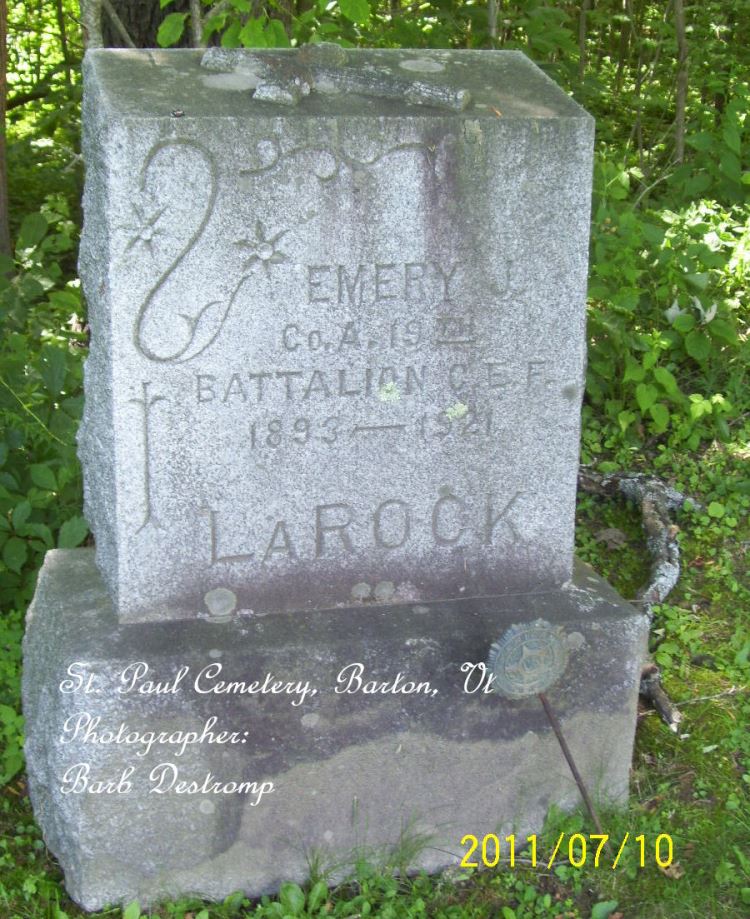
{"points": [[40, 401], [667, 322]]}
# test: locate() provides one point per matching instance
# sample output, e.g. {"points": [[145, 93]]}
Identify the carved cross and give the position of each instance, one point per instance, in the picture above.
{"points": [[287, 78]]}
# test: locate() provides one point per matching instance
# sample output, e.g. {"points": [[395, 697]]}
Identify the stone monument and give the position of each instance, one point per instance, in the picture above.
{"points": [[330, 448]]}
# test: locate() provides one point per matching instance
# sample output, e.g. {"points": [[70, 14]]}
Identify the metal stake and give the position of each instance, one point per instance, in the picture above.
{"points": [[552, 718], [527, 660]]}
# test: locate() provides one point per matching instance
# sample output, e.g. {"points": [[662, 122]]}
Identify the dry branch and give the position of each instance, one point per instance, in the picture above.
{"points": [[651, 690], [657, 502], [118, 24]]}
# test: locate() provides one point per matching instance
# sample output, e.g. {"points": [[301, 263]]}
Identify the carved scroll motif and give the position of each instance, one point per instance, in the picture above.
{"points": [[202, 328], [197, 332]]}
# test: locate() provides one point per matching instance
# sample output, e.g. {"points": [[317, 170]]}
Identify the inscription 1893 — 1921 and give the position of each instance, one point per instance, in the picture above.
{"points": [[355, 381]]}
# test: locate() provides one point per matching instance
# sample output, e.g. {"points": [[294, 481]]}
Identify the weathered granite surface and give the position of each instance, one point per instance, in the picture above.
{"points": [[337, 349], [351, 772]]}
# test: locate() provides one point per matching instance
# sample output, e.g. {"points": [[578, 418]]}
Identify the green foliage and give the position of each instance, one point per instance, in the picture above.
{"points": [[11, 721], [40, 404], [132, 911], [355, 10], [43, 134], [171, 29], [666, 319], [720, 152]]}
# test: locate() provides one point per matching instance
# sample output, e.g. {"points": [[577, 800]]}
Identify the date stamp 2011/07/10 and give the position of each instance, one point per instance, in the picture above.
{"points": [[576, 849]]}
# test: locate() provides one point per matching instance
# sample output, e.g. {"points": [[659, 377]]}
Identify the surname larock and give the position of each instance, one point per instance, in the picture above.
{"points": [[209, 680]]}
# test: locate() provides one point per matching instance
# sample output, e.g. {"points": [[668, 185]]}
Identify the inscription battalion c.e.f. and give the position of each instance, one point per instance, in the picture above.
{"points": [[315, 384]]}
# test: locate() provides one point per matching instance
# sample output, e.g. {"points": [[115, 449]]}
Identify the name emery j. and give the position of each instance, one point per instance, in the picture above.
{"points": [[136, 679]]}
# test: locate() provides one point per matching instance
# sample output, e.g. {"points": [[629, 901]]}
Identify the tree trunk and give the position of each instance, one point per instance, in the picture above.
{"points": [[492, 20], [196, 23], [5, 246], [60, 14], [141, 19], [624, 47], [585, 7], [91, 19], [682, 82]]}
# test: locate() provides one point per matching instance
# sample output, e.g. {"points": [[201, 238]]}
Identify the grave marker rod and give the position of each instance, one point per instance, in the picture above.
{"points": [[552, 718]]}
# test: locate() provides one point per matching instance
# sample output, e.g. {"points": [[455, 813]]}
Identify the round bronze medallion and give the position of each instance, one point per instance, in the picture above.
{"points": [[528, 659]]}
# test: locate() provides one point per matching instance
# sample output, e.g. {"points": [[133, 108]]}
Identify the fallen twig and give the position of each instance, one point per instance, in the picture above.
{"points": [[728, 693], [657, 502], [732, 691], [651, 690]]}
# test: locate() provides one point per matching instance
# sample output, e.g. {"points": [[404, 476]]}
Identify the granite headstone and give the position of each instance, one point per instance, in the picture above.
{"points": [[334, 345], [330, 448]]}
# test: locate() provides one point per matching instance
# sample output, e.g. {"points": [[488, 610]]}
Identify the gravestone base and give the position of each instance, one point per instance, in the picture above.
{"points": [[352, 774]]}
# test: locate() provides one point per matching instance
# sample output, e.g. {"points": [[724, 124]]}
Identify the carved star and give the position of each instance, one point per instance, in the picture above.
{"points": [[144, 228], [262, 249]]}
